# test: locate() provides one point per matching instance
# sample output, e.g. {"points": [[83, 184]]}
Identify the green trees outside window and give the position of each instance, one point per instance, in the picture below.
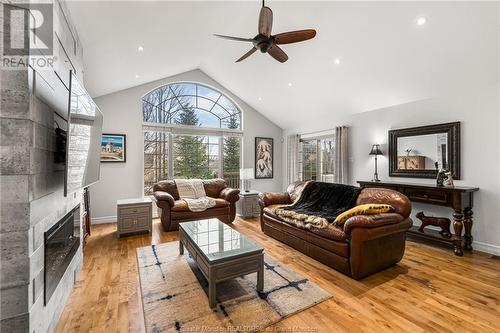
{"points": [[180, 136]]}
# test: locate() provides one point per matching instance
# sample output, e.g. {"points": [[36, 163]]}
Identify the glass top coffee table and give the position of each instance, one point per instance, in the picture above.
{"points": [[221, 253]]}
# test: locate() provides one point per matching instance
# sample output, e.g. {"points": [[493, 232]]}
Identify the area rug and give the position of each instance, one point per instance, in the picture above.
{"points": [[174, 294]]}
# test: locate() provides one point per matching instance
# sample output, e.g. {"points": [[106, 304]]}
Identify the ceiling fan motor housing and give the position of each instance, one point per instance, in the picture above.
{"points": [[262, 43]]}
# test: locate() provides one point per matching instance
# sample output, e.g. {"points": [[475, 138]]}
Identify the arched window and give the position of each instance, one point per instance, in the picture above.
{"points": [[190, 131], [169, 105]]}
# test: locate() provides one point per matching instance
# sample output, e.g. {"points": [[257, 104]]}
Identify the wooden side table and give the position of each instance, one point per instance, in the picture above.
{"points": [[134, 216], [248, 205]]}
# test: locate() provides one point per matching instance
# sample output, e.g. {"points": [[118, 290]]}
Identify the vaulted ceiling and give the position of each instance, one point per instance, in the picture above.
{"points": [[384, 57]]}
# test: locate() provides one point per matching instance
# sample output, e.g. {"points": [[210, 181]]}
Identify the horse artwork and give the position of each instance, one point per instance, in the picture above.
{"points": [[442, 222], [264, 156]]}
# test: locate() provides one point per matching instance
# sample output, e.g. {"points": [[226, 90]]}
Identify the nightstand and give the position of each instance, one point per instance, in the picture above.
{"points": [[248, 205], [134, 216]]}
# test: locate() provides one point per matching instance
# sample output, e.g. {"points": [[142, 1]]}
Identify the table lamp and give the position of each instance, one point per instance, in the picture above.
{"points": [[376, 151], [245, 176]]}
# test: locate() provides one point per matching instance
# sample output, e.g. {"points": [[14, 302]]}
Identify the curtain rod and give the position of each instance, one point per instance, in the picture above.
{"points": [[317, 132]]}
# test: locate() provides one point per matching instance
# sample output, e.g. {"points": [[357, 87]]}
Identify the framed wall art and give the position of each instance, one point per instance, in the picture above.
{"points": [[264, 158]]}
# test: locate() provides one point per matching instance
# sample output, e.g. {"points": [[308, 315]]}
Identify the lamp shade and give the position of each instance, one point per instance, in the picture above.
{"points": [[376, 150], [246, 173]]}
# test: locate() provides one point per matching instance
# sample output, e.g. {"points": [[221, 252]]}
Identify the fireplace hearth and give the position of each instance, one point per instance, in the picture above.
{"points": [[61, 243]]}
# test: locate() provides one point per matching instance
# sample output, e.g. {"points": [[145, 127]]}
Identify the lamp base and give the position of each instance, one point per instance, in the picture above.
{"points": [[245, 185], [375, 178]]}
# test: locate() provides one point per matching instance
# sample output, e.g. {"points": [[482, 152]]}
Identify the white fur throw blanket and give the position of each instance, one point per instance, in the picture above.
{"points": [[193, 193]]}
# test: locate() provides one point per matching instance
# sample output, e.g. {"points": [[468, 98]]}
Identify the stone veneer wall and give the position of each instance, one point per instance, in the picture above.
{"points": [[29, 205]]}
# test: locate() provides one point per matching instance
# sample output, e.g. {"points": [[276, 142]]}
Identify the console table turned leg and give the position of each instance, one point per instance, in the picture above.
{"points": [[468, 227], [457, 226]]}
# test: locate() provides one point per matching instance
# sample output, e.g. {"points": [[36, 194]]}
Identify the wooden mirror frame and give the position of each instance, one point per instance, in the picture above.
{"points": [[453, 144]]}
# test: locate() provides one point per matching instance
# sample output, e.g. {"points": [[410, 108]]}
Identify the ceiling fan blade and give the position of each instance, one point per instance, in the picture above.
{"points": [[277, 53], [246, 55], [265, 21], [294, 36], [239, 39]]}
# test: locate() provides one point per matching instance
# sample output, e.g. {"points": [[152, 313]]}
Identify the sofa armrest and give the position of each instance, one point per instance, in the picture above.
{"points": [[162, 197], [273, 198], [371, 221], [230, 194]]}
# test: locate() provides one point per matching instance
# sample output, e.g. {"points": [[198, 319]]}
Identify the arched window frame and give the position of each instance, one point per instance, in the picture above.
{"points": [[171, 129], [201, 129]]}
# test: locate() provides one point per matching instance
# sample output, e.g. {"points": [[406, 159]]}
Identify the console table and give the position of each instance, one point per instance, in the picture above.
{"points": [[459, 198]]}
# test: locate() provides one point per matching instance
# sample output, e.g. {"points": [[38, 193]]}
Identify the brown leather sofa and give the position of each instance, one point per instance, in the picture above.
{"points": [[364, 245], [174, 210]]}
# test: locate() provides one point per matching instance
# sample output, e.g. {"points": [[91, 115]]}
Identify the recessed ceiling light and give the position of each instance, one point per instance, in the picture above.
{"points": [[260, 99], [289, 84], [140, 48], [421, 21], [136, 76], [337, 61]]}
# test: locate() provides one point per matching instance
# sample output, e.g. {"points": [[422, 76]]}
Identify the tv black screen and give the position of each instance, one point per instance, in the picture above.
{"points": [[85, 130]]}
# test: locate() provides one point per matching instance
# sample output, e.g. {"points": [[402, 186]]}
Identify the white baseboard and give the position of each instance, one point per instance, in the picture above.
{"points": [[485, 247], [104, 219]]}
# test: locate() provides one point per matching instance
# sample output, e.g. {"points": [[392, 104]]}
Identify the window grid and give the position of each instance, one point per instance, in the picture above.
{"points": [[317, 159], [175, 121]]}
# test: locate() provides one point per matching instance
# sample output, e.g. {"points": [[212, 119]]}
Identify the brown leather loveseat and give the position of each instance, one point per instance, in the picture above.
{"points": [[364, 245], [174, 210]]}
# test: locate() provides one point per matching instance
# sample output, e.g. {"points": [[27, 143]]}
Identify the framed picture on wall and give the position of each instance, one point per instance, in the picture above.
{"points": [[113, 148], [264, 158]]}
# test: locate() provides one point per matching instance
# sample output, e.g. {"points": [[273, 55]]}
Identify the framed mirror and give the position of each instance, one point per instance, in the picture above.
{"points": [[420, 152]]}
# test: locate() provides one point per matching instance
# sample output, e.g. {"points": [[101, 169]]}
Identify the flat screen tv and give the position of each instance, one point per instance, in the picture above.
{"points": [[85, 130]]}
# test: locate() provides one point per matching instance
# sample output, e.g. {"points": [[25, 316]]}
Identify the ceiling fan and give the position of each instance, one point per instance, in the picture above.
{"points": [[265, 42]]}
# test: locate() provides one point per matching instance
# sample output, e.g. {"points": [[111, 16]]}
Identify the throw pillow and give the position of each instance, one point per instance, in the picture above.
{"points": [[366, 209]]}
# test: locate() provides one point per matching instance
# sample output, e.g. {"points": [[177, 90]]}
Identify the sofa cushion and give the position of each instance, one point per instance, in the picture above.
{"points": [[270, 209], [330, 240], [181, 205], [332, 232]]}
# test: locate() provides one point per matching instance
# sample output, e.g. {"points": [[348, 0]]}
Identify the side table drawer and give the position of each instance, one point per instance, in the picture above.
{"points": [[134, 210], [426, 196]]}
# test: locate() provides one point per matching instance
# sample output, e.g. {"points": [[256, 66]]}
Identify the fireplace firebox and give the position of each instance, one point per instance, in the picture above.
{"points": [[61, 243]]}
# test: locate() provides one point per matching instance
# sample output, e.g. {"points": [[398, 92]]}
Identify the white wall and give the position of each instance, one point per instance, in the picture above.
{"points": [[123, 115], [479, 114]]}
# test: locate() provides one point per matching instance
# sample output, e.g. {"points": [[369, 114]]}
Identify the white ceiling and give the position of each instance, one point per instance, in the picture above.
{"points": [[385, 57]]}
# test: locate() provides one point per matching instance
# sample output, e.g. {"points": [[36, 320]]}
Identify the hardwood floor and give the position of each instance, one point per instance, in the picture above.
{"points": [[430, 290]]}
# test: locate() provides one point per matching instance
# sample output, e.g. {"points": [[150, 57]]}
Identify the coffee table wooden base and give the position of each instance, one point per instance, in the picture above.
{"points": [[224, 270]]}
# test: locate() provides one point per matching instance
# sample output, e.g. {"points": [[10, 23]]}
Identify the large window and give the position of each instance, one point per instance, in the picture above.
{"points": [[190, 131], [317, 159]]}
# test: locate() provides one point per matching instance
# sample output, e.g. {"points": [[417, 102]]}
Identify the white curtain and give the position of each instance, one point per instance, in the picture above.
{"points": [[341, 156], [292, 158]]}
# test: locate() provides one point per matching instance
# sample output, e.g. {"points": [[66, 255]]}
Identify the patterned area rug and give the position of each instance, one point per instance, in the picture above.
{"points": [[174, 294]]}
